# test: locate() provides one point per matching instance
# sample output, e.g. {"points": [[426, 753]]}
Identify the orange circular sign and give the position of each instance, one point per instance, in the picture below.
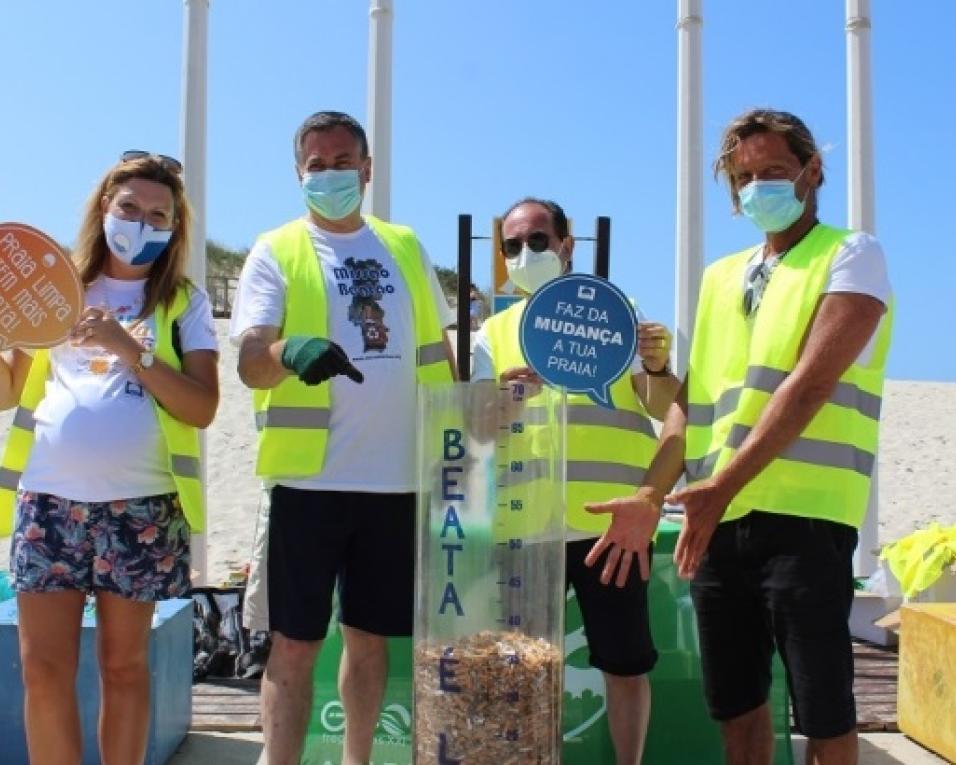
{"points": [[41, 295]]}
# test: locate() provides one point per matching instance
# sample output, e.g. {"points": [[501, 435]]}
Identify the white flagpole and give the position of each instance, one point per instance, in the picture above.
{"points": [[860, 205], [192, 144], [689, 257], [378, 198]]}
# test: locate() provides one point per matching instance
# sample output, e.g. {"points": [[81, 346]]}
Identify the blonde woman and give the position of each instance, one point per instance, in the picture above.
{"points": [[101, 470]]}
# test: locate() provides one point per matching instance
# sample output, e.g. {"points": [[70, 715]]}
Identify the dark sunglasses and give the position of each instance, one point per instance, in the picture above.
{"points": [[537, 242], [171, 164]]}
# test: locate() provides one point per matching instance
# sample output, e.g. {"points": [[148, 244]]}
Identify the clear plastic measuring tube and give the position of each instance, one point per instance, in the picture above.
{"points": [[489, 620]]}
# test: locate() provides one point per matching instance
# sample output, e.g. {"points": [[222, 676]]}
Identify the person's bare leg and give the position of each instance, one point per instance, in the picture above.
{"points": [[362, 675], [49, 627], [748, 739], [286, 698], [122, 648], [839, 750], [628, 712]]}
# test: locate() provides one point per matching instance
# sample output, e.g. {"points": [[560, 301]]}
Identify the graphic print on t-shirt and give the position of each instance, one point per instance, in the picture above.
{"points": [[99, 361], [362, 279]]}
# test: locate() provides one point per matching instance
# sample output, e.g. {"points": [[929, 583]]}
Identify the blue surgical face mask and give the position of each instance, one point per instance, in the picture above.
{"points": [[134, 241], [772, 206], [333, 194]]}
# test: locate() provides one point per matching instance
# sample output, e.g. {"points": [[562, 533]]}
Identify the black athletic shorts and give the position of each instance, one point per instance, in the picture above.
{"points": [[616, 619], [360, 541], [778, 580]]}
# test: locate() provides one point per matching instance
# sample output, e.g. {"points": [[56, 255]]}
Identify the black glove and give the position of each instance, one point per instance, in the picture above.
{"points": [[315, 360]]}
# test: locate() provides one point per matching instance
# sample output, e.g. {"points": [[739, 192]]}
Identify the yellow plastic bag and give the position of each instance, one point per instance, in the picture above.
{"points": [[919, 559]]}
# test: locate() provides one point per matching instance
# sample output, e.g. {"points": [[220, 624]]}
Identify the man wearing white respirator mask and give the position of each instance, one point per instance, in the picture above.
{"points": [[338, 316], [606, 449]]}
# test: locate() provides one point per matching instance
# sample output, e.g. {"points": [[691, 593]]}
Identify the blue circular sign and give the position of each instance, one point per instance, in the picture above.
{"points": [[579, 332]]}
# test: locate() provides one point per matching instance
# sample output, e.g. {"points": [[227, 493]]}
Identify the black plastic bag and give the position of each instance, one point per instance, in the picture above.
{"points": [[222, 647]]}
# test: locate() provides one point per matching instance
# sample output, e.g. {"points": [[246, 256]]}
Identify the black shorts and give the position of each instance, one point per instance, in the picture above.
{"points": [[778, 580], [616, 619], [361, 541]]}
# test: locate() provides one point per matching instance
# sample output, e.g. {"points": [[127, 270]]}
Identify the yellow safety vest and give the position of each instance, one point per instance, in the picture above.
{"points": [[736, 364], [182, 440], [608, 450], [293, 418]]}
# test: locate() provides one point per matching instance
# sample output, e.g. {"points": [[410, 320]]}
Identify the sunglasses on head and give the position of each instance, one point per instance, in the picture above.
{"points": [[171, 164], [537, 242]]}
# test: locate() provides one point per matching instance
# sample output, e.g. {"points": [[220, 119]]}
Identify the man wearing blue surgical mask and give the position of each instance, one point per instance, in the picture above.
{"points": [[339, 316], [776, 429], [607, 451]]}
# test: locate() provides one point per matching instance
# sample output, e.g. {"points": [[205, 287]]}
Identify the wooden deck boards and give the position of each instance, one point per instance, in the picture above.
{"points": [[226, 705], [877, 670], [233, 705]]}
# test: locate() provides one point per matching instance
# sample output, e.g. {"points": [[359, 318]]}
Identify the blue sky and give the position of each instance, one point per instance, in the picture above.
{"points": [[493, 101]]}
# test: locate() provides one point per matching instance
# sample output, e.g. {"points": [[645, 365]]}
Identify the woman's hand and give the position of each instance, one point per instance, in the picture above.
{"points": [[98, 327], [190, 394]]}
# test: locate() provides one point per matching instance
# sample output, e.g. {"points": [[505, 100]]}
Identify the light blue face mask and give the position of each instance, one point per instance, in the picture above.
{"points": [[772, 206], [333, 194]]}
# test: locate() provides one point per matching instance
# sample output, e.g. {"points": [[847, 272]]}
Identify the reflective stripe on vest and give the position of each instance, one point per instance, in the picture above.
{"points": [[589, 414], [184, 465], [182, 441], [768, 380], [809, 450], [293, 418], [24, 418], [9, 477], [432, 353], [531, 470], [736, 365], [607, 451]]}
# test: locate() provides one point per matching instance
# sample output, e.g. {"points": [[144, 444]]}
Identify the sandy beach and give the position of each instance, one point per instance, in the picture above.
{"points": [[916, 463]]}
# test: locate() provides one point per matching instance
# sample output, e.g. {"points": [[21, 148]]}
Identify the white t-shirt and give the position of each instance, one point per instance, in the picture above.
{"points": [[97, 437], [373, 425], [859, 267]]}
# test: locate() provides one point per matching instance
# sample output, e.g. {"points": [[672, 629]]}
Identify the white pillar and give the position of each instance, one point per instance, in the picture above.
{"points": [[859, 106], [860, 204], [378, 196], [192, 150], [689, 254]]}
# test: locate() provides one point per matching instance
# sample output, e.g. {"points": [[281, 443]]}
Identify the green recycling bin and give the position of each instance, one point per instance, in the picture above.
{"points": [[393, 734], [680, 730]]}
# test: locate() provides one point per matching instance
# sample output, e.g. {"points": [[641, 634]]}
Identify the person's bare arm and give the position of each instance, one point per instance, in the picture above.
{"points": [[190, 395], [14, 368], [260, 357], [634, 518], [656, 392]]}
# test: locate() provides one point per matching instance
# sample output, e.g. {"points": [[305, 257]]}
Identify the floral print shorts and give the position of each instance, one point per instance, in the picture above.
{"points": [[135, 548]]}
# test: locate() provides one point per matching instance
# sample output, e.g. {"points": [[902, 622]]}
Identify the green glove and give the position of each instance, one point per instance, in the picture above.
{"points": [[316, 359]]}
